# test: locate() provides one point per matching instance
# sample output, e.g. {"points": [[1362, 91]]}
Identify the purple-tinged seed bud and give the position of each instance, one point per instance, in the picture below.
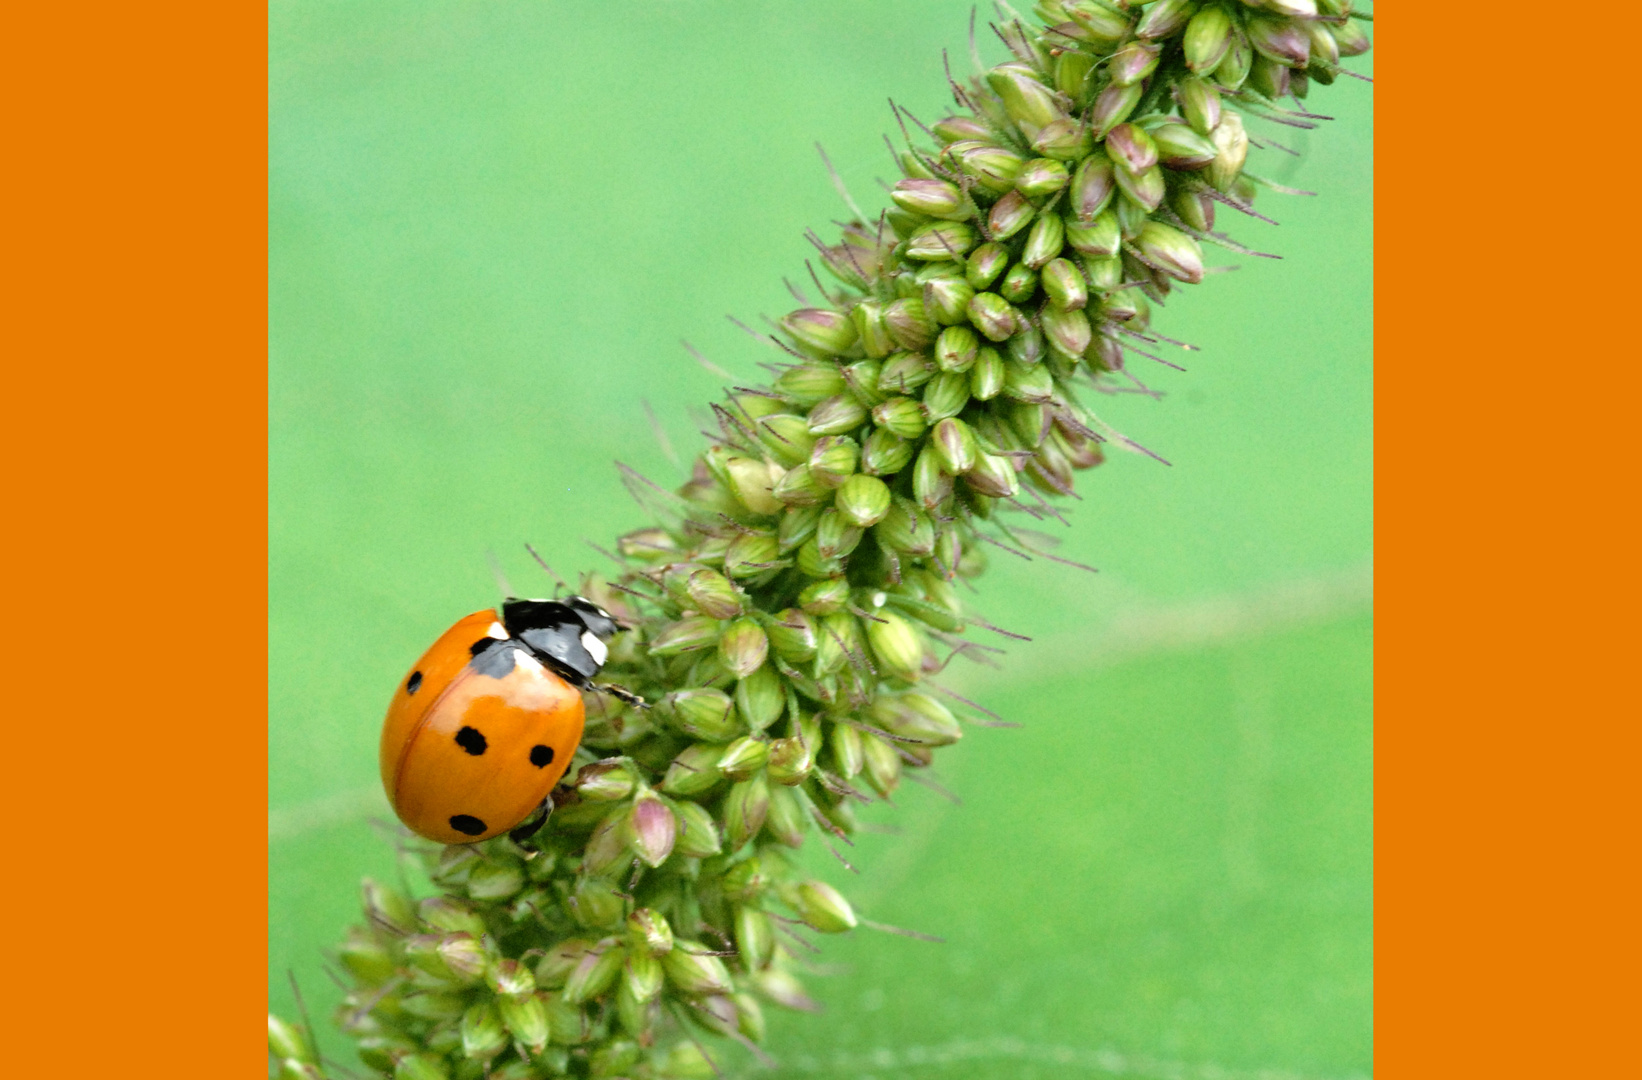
{"points": [[904, 372], [1172, 251], [908, 325], [754, 937], [1068, 331], [985, 264], [940, 240], [1132, 63], [883, 764], [809, 384], [1131, 215], [1146, 189], [1020, 284], [1045, 241], [1325, 50], [901, 416], [606, 781], [935, 198], [1232, 148], [743, 758], [992, 315], [1064, 140], [954, 445], [1208, 37], [712, 594], [820, 331], [1010, 215], [1351, 38], [742, 647], [994, 475], [650, 829], [1164, 18], [885, 453], [862, 500], [792, 636], [1281, 40], [647, 544], [832, 460], [912, 166], [956, 128], [1194, 208], [1026, 347], [1179, 147], [955, 349], [1029, 103], [1064, 283], [823, 908], [1106, 354], [744, 812], [1131, 148], [1200, 104], [837, 415], [751, 555], [1041, 177], [694, 971], [483, 1036], [946, 395], [986, 377], [946, 299], [868, 317], [930, 486], [595, 972], [704, 713], [898, 647], [798, 488], [992, 167], [785, 821], [1270, 77], [1092, 187], [697, 833], [1100, 237], [790, 761]]}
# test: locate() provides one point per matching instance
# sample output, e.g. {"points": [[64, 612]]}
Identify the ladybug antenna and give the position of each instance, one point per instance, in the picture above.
{"points": [[550, 571], [497, 572]]}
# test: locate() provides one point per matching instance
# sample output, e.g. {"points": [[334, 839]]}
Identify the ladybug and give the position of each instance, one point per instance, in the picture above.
{"points": [[489, 718]]}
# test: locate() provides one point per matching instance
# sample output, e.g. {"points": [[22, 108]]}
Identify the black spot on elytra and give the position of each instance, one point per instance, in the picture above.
{"points": [[472, 740], [415, 683], [467, 824], [541, 756]]}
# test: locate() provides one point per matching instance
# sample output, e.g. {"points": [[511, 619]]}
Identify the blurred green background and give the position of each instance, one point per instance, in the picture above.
{"points": [[490, 226]]}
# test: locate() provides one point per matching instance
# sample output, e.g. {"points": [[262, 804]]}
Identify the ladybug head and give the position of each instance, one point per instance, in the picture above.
{"points": [[569, 636], [595, 618]]}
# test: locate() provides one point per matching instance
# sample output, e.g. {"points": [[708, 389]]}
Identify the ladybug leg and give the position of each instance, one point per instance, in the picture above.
{"points": [[530, 826], [621, 693]]}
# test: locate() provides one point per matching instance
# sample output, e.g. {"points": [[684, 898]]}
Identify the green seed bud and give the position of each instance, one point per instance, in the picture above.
{"points": [[760, 698], [595, 903], [694, 972], [1164, 18], [754, 937], [797, 525], [787, 437], [483, 1036], [1234, 68], [812, 563], [954, 445], [1125, 305], [917, 716], [447, 915], [882, 764], [286, 1040], [844, 744], [1027, 101], [1064, 140], [1045, 240], [1350, 38], [905, 529], [1325, 50], [711, 593], [292, 1069], [606, 781], [986, 377], [1270, 77], [745, 882], [898, 647], [1104, 273], [1200, 104], [902, 373], [940, 241], [792, 636], [992, 167], [644, 976], [1172, 251], [1208, 37], [596, 972], [1092, 187], [648, 934], [992, 315], [1103, 25], [744, 758], [650, 829], [799, 488], [790, 761], [753, 482], [946, 299], [743, 647], [511, 978], [1064, 283], [1113, 106], [954, 351], [1282, 41], [835, 536], [985, 264], [838, 415], [1100, 237], [1020, 284], [1131, 148], [785, 821], [908, 325], [1232, 147], [496, 879], [995, 476], [820, 332], [932, 198], [1072, 69], [525, 1020], [1026, 347], [744, 811], [868, 317], [421, 1067], [366, 959], [810, 384], [823, 908], [555, 967], [1068, 332], [885, 453], [607, 853], [1010, 215], [824, 598], [1030, 422], [956, 128], [930, 486], [946, 395], [1041, 177], [706, 714], [863, 500], [751, 555], [1146, 190], [901, 416], [838, 639], [1132, 63], [862, 379], [387, 908], [693, 771], [1028, 382], [1299, 9], [1179, 147], [697, 834]]}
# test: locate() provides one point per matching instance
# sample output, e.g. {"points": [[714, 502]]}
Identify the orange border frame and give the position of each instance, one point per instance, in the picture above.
{"points": [[135, 440]]}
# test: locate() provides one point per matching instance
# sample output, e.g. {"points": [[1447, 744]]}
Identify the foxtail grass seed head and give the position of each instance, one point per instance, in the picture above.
{"points": [[786, 619]]}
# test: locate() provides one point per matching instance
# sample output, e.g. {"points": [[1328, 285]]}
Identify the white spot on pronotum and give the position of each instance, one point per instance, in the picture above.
{"points": [[594, 647], [525, 660], [497, 631]]}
